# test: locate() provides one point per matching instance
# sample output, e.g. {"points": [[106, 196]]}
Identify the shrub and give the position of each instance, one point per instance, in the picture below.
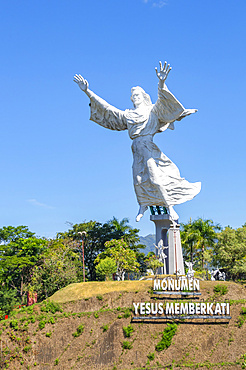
{"points": [[41, 325], [57, 361], [27, 340], [100, 297], [27, 348], [105, 327], [7, 300], [50, 306], [126, 345], [243, 311], [127, 314], [14, 324], [79, 331], [48, 334], [96, 315], [128, 330], [51, 320], [242, 318], [106, 267], [151, 356], [221, 289], [32, 319], [167, 337]]}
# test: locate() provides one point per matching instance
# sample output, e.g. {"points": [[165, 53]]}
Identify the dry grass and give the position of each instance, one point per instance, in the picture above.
{"points": [[78, 291]]}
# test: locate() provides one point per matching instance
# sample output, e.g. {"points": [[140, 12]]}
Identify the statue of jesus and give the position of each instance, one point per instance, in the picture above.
{"points": [[156, 178]]}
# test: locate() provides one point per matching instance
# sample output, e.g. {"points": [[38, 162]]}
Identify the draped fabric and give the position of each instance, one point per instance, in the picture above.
{"points": [[156, 178]]}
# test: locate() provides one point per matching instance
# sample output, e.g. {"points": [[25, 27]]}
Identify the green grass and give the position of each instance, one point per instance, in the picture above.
{"points": [[167, 337], [127, 313], [242, 318], [220, 289], [126, 345], [27, 348], [41, 324], [49, 306], [128, 330], [151, 356], [105, 328], [79, 331], [14, 324]]}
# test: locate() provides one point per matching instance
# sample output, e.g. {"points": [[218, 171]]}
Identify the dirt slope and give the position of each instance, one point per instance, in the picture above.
{"points": [[43, 339]]}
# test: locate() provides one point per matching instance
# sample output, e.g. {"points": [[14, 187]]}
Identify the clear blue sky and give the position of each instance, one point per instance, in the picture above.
{"points": [[58, 166]]}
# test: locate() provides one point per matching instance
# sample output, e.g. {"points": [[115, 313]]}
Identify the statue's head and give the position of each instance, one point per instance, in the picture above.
{"points": [[139, 96]]}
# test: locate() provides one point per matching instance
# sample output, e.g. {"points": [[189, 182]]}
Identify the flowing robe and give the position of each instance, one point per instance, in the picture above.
{"points": [[156, 179]]}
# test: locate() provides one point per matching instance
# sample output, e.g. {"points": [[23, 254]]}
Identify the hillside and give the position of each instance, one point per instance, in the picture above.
{"points": [[148, 241], [81, 327]]}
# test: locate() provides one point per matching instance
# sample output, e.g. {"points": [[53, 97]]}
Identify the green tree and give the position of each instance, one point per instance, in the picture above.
{"points": [[59, 266], [96, 236], [189, 237], [230, 251], [130, 236], [11, 233], [106, 267], [7, 300], [153, 262], [121, 226], [124, 257], [198, 240], [17, 259]]}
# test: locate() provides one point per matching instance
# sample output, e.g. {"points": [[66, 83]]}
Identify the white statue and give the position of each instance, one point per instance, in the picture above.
{"points": [[161, 255], [156, 178], [217, 275], [190, 272], [160, 248], [212, 275]]}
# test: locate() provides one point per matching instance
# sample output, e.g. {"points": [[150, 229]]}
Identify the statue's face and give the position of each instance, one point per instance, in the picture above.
{"points": [[137, 97]]}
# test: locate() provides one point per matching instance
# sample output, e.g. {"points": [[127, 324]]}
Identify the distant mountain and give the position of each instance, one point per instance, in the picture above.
{"points": [[148, 241]]}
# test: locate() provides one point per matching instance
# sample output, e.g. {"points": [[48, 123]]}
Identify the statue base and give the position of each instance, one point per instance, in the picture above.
{"points": [[167, 234]]}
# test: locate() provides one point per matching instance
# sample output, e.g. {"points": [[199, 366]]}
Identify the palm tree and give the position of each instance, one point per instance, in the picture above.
{"points": [[189, 237], [199, 236], [122, 225]]}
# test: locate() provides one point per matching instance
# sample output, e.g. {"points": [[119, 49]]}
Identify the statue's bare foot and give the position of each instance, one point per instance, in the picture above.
{"points": [[173, 214], [141, 211]]}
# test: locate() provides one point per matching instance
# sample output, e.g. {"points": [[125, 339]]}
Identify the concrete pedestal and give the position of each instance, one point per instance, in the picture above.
{"points": [[167, 231]]}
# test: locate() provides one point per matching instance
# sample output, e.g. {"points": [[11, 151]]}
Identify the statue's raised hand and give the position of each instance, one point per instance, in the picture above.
{"points": [[163, 73], [82, 82]]}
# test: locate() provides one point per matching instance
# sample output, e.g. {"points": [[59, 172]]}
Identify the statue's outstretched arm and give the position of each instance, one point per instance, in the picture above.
{"points": [[163, 73], [167, 108], [102, 112], [83, 84]]}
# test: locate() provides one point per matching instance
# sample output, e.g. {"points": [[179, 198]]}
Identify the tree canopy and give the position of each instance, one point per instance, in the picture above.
{"points": [[17, 259], [31, 263], [230, 251], [198, 240], [97, 234], [124, 257]]}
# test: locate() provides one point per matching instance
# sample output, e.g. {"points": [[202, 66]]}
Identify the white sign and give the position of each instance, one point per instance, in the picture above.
{"points": [[183, 308], [179, 284], [180, 310]]}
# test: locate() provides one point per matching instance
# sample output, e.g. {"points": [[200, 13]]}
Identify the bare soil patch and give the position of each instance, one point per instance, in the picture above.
{"points": [[45, 340]]}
